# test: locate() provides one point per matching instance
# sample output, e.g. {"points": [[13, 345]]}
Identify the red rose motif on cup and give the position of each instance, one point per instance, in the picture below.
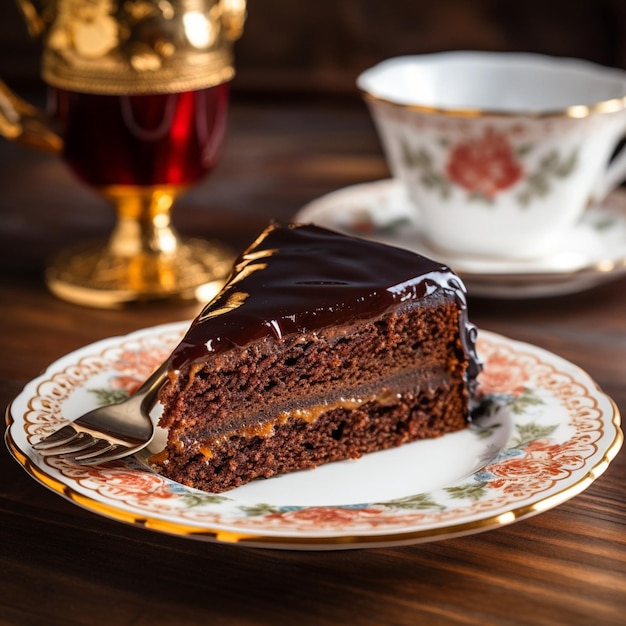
{"points": [[484, 166]]}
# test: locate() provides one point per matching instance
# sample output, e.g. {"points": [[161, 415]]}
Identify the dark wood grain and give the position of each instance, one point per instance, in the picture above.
{"points": [[60, 565]]}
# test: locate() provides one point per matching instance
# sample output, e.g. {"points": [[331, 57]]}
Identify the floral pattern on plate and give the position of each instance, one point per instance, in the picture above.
{"points": [[541, 433]]}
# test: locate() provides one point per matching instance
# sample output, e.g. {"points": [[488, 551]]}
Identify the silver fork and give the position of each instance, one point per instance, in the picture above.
{"points": [[108, 432]]}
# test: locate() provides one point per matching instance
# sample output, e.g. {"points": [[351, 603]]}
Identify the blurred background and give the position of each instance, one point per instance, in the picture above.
{"points": [[297, 63], [319, 46]]}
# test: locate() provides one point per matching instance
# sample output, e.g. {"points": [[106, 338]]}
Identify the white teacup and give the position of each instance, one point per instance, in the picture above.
{"points": [[500, 152]]}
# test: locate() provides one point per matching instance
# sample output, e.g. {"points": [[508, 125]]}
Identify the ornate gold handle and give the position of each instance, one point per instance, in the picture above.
{"points": [[22, 122], [34, 21]]}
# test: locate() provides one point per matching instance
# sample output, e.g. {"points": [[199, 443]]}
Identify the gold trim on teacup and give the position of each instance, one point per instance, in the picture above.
{"points": [[577, 111]]}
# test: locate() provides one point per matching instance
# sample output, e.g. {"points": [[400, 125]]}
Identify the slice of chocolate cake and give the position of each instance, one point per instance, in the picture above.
{"points": [[321, 347]]}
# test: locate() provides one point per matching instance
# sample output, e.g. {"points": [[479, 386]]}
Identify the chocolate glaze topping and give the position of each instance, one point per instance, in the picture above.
{"points": [[301, 278]]}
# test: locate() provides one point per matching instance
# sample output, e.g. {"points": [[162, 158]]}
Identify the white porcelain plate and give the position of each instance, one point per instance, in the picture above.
{"points": [[544, 432], [593, 253]]}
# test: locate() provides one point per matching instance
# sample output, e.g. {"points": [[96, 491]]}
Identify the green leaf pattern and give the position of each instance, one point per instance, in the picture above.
{"points": [[538, 183], [109, 396]]}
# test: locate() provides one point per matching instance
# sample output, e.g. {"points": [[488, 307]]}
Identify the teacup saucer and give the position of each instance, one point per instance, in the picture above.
{"points": [[593, 253]]}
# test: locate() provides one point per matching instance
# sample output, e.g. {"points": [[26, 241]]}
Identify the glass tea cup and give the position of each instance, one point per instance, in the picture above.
{"points": [[138, 104]]}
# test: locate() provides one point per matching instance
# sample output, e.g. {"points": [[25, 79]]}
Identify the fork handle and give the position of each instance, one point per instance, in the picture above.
{"points": [[148, 391]]}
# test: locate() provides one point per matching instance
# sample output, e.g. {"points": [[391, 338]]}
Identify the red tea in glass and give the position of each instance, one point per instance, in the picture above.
{"points": [[141, 140]]}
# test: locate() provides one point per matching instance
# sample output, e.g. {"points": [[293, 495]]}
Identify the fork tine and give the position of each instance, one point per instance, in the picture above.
{"points": [[115, 452], [100, 446], [80, 442], [61, 436], [108, 432]]}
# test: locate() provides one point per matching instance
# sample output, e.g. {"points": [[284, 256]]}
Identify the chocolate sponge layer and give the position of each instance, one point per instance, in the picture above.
{"points": [[281, 406]]}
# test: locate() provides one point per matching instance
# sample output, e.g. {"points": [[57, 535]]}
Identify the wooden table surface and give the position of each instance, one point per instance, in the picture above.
{"points": [[61, 565]]}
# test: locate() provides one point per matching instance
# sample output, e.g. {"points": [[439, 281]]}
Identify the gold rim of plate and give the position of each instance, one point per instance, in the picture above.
{"points": [[338, 539], [330, 542]]}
